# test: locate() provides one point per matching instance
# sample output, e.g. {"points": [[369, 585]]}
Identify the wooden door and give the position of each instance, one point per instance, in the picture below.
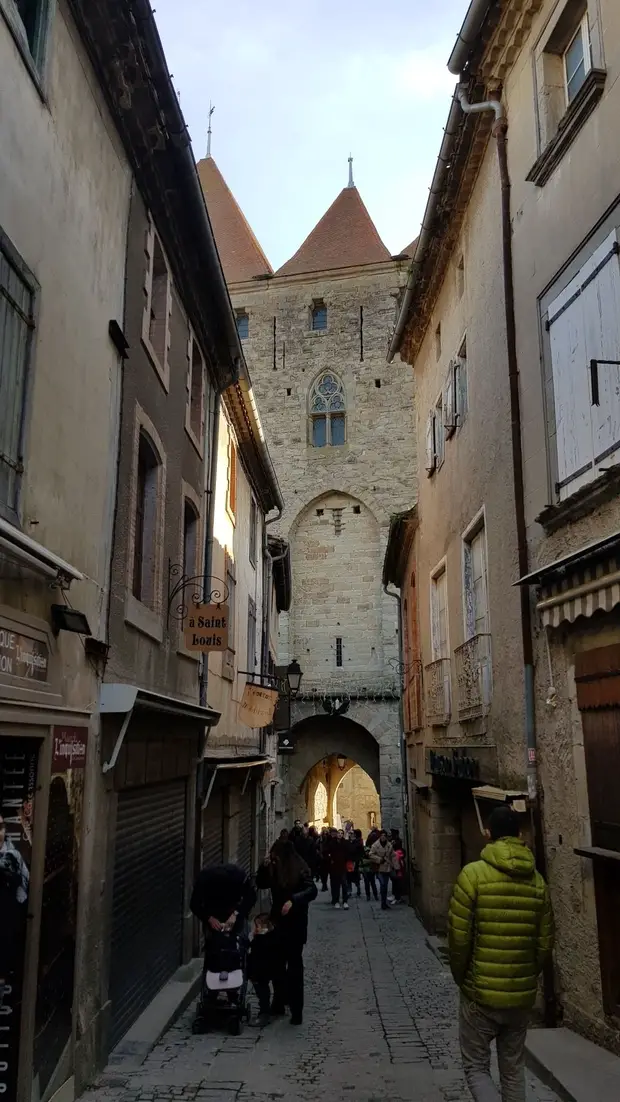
{"points": [[598, 695]]}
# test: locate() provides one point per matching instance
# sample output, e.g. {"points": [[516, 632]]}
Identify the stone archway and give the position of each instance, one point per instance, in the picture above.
{"points": [[323, 738]]}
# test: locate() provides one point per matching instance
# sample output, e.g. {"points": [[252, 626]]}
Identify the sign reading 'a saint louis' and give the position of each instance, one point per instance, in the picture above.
{"points": [[206, 628]]}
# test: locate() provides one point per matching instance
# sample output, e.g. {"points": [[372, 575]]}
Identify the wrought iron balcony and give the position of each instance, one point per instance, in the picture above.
{"points": [[438, 692], [473, 675]]}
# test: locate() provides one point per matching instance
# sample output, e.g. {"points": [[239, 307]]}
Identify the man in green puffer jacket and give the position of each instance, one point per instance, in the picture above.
{"points": [[500, 932]]}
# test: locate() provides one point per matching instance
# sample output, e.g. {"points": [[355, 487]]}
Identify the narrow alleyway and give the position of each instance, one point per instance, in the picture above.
{"points": [[379, 1024]]}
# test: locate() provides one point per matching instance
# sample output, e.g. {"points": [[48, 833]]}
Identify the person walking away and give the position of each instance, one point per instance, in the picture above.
{"points": [[500, 933], [356, 853], [337, 857], [324, 841], [374, 835], [382, 858], [369, 874], [398, 876], [262, 964], [292, 888]]}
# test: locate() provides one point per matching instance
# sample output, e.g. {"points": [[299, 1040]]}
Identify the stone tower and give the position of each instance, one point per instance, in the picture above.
{"points": [[340, 428]]}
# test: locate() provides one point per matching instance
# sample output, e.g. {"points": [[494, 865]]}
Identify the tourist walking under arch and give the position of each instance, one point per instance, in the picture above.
{"points": [[292, 888]]}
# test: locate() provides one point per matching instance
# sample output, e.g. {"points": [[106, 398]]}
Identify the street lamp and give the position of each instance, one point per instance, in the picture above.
{"points": [[342, 761], [293, 677]]}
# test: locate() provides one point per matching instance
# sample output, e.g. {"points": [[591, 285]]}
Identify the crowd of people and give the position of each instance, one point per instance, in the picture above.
{"points": [[341, 860]]}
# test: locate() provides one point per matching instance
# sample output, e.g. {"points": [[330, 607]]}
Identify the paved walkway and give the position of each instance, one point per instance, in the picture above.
{"points": [[379, 1024]]}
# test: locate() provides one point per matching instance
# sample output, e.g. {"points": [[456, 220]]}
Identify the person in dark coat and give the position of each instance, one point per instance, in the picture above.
{"points": [[337, 857], [373, 837], [356, 853], [292, 888], [261, 964], [223, 897]]}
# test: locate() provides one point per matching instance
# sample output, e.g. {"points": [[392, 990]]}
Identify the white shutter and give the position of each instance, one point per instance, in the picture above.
{"points": [[584, 324], [601, 309], [431, 457], [449, 404], [571, 391]]}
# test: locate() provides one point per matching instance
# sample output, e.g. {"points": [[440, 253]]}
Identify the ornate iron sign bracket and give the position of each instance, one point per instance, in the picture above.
{"points": [[187, 590]]}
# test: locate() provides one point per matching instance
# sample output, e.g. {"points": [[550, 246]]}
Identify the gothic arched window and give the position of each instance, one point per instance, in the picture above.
{"points": [[327, 412]]}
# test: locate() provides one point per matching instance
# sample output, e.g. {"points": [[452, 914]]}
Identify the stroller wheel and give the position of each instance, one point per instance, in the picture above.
{"points": [[234, 1026], [200, 1025]]}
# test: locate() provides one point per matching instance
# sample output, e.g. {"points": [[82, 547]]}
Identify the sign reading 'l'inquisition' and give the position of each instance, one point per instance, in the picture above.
{"points": [[206, 628]]}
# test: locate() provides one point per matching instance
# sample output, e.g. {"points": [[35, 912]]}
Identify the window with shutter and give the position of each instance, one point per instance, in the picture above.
{"points": [[431, 461], [449, 405], [584, 325]]}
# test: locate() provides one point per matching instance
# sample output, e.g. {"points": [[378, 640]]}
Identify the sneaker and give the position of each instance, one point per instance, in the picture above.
{"points": [[345, 906], [337, 906], [296, 1019]]}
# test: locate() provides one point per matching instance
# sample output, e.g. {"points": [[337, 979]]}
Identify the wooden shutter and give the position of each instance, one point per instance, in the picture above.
{"points": [[583, 325], [431, 455], [449, 403]]}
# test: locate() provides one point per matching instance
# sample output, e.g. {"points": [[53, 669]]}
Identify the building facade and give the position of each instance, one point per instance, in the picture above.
{"points": [[251, 571], [554, 65], [339, 427], [64, 206]]}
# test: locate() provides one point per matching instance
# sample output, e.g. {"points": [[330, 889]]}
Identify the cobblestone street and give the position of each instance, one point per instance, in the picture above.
{"points": [[380, 1023]]}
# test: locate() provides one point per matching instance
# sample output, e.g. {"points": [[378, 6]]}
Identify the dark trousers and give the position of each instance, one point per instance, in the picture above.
{"points": [[384, 883], [263, 994], [288, 978], [370, 884], [324, 873], [397, 888], [338, 883], [353, 879]]}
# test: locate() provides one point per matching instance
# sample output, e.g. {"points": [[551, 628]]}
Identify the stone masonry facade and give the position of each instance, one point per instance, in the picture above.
{"points": [[338, 499]]}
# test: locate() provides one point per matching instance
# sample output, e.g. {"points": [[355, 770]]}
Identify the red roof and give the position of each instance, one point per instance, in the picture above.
{"points": [[344, 237], [410, 250], [241, 255]]}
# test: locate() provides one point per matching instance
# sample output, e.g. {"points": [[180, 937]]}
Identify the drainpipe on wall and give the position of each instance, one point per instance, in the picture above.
{"points": [[401, 716], [500, 130]]}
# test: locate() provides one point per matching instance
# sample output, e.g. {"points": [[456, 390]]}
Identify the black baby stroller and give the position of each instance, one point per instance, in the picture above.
{"points": [[224, 992]]}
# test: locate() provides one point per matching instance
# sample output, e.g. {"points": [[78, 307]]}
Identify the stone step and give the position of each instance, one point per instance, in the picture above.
{"points": [[575, 1068]]}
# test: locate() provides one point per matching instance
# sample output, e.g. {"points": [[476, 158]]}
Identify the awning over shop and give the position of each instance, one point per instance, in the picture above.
{"points": [[218, 765], [124, 700], [579, 584]]}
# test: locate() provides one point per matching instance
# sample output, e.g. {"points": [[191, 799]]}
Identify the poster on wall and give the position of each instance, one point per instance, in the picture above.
{"points": [[18, 781], [59, 908]]}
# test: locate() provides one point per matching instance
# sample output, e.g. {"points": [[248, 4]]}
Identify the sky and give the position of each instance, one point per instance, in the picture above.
{"points": [[298, 87]]}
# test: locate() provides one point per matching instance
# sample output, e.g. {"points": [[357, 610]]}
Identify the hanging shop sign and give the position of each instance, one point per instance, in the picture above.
{"points": [[206, 628], [257, 706], [22, 657]]}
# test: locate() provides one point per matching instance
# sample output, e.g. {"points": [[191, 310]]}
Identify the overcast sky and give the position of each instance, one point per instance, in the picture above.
{"points": [[296, 87]]}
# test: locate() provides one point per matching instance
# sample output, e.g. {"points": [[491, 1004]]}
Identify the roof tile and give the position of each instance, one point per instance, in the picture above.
{"points": [[241, 255], [345, 236]]}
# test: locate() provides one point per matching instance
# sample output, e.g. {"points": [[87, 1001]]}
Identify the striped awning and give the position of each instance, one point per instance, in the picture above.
{"points": [[584, 590]]}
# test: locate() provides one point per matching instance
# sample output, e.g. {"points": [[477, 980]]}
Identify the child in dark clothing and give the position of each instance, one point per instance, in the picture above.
{"points": [[261, 964]]}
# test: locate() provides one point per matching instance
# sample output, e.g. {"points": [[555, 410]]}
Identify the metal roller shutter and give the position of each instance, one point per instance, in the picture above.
{"points": [[246, 831], [213, 829], [147, 908]]}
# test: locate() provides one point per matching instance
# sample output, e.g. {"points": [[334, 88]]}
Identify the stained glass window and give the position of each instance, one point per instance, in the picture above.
{"points": [[327, 412]]}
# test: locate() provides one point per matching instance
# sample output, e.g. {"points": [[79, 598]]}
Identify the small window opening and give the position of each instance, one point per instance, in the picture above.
{"points": [[243, 325], [319, 315], [357, 510], [378, 384], [339, 651], [320, 512], [288, 391]]}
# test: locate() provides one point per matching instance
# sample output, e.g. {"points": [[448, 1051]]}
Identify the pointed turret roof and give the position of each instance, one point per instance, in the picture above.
{"points": [[241, 255], [345, 236], [410, 249]]}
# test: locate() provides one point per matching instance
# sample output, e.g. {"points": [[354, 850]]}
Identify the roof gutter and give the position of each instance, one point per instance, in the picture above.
{"points": [[428, 222], [468, 34]]}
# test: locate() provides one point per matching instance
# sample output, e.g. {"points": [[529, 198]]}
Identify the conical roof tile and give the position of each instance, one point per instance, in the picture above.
{"points": [[345, 237], [241, 255]]}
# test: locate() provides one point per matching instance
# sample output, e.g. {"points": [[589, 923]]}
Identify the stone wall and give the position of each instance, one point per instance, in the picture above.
{"points": [[357, 799]]}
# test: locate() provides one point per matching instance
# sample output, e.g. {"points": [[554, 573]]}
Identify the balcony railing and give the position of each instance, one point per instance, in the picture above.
{"points": [[438, 692], [473, 675]]}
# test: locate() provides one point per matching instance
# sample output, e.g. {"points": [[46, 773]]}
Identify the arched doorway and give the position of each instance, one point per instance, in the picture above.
{"points": [[356, 800], [326, 749], [319, 816]]}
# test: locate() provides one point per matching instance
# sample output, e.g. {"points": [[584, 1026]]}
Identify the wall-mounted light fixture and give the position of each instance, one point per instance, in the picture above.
{"points": [[293, 677], [69, 619], [342, 761]]}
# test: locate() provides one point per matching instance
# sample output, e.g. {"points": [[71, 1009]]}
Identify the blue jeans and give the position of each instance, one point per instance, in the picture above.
{"points": [[384, 883]]}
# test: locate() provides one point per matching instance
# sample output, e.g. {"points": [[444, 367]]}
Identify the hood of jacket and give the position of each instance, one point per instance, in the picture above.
{"points": [[510, 855]]}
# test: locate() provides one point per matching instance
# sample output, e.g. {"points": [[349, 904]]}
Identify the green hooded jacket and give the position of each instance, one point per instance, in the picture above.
{"points": [[500, 926]]}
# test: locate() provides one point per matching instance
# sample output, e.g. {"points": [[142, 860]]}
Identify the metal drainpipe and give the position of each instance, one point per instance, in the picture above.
{"points": [[500, 129], [401, 715]]}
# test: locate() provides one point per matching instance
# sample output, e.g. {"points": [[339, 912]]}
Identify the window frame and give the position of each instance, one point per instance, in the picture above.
{"points": [[440, 571], [253, 540], [162, 367], [147, 618], [476, 529], [197, 440], [583, 30], [252, 624], [190, 503], [15, 262], [319, 307], [242, 315], [35, 56], [232, 478], [327, 415], [229, 655]]}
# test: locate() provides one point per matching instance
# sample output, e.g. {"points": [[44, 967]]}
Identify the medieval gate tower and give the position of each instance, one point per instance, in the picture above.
{"points": [[340, 427]]}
